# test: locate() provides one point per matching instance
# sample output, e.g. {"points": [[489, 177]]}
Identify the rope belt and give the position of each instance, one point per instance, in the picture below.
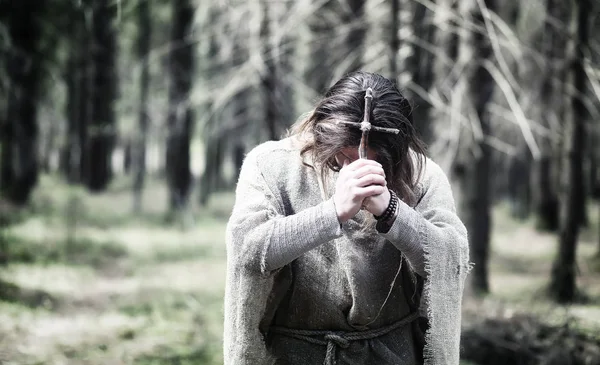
{"points": [[334, 339]]}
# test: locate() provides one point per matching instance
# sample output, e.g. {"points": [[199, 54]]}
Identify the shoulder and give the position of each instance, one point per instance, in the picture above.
{"points": [[432, 170], [426, 169], [272, 156], [269, 149], [432, 179]]}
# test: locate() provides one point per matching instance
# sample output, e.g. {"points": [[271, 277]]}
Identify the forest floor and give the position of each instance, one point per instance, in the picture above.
{"points": [[89, 282]]}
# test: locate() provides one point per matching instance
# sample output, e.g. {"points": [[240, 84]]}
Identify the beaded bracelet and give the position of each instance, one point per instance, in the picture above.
{"points": [[387, 219], [391, 208]]}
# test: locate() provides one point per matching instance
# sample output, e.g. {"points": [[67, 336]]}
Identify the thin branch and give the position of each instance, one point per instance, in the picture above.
{"points": [[515, 107], [493, 37]]}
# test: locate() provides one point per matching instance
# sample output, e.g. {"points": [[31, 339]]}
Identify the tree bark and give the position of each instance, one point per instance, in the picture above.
{"points": [[447, 40], [419, 65], [102, 134], [212, 177], [544, 195], [48, 147], [286, 54], [356, 36], [77, 108], [472, 170], [180, 117], [545, 189], [563, 282], [19, 164], [214, 130], [318, 71], [277, 54], [594, 176], [525, 71], [143, 50], [239, 152], [519, 184], [83, 114], [394, 43], [270, 76]]}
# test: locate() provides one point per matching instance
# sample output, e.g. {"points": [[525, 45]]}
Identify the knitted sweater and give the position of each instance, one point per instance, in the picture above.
{"points": [[278, 199]]}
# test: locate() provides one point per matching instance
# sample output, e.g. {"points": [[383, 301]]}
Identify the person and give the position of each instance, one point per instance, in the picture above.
{"points": [[337, 256]]}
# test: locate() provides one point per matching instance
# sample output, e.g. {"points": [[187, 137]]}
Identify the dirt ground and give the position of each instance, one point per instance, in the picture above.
{"points": [[97, 284]]}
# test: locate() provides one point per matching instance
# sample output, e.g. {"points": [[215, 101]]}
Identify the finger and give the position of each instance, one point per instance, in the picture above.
{"points": [[356, 164], [367, 191], [366, 170], [371, 179]]}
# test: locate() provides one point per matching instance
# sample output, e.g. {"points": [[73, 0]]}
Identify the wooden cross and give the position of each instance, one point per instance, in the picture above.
{"points": [[365, 126]]}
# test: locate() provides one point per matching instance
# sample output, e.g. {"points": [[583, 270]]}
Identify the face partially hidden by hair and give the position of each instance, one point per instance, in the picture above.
{"points": [[345, 102], [350, 154]]}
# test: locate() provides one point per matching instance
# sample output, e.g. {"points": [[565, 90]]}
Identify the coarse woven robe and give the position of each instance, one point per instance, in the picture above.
{"points": [[280, 198]]}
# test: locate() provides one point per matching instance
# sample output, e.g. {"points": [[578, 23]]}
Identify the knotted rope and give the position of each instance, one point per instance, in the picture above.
{"points": [[342, 339]]}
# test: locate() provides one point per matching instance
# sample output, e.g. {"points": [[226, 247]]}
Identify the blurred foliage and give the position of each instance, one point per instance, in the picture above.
{"points": [[102, 284]]}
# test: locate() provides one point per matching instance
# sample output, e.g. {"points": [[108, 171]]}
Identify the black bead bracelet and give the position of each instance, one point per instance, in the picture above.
{"points": [[391, 208]]}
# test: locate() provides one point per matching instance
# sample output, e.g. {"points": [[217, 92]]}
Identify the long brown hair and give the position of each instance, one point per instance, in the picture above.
{"points": [[402, 155]]}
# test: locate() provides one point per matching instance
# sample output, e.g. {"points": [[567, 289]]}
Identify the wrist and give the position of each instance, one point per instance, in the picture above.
{"points": [[388, 217], [390, 209], [341, 217]]}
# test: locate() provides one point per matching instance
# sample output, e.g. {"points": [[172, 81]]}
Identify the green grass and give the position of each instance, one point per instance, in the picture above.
{"points": [[83, 251], [520, 265], [90, 282], [123, 288]]}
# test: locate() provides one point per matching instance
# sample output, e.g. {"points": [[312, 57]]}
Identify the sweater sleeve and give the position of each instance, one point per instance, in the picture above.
{"points": [[264, 238], [434, 218]]}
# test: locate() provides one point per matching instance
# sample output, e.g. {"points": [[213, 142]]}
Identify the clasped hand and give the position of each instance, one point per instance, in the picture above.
{"points": [[360, 183]]}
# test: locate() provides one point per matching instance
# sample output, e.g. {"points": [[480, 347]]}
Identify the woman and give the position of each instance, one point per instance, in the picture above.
{"points": [[336, 259]]}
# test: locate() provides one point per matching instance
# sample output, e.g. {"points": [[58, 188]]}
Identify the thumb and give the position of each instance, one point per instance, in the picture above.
{"points": [[346, 162]]}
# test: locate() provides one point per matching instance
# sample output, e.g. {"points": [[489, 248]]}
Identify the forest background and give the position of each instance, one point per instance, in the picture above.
{"points": [[123, 125]]}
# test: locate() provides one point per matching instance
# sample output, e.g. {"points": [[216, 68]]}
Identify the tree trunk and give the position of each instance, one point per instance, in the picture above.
{"points": [[319, 69], [139, 155], [83, 114], [102, 133], [545, 190], [127, 145], [544, 195], [594, 177], [270, 76], [180, 117], [277, 53], [19, 164], [473, 169], [286, 54], [598, 252], [525, 71], [212, 177], [215, 127], [77, 75], [446, 38], [48, 147], [239, 152], [242, 119], [563, 285], [394, 45], [355, 39], [519, 184], [419, 65]]}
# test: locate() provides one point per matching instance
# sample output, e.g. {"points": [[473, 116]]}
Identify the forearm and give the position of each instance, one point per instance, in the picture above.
{"points": [[294, 235], [406, 233]]}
